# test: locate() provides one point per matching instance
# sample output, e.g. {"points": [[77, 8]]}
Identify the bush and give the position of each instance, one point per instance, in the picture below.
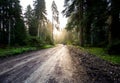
{"points": [[14, 51], [33, 41], [49, 40]]}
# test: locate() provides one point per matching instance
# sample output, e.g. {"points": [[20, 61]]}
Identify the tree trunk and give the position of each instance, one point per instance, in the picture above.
{"points": [[52, 28], [115, 10], [81, 25], [81, 36], [9, 33], [39, 25], [109, 30]]}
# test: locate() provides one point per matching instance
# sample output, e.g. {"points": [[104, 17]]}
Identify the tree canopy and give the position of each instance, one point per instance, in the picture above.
{"points": [[12, 27], [97, 21]]}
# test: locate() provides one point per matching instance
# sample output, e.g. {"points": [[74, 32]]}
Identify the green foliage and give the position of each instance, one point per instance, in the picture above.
{"points": [[20, 33], [46, 46], [71, 25], [39, 31], [55, 15], [75, 10], [100, 52], [14, 51], [40, 11], [90, 18], [33, 41], [31, 21], [48, 40], [12, 29], [68, 42], [71, 42], [36, 42]]}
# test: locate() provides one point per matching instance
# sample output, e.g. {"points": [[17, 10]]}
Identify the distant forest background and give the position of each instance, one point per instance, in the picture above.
{"points": [[91, 23]]}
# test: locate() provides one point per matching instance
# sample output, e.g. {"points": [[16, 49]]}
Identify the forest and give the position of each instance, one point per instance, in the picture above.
{"points": [[36, 49], [96, 23], [91, 23]]}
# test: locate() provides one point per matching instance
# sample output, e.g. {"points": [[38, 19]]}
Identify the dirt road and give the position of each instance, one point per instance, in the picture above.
{"points": [[54, 65]]}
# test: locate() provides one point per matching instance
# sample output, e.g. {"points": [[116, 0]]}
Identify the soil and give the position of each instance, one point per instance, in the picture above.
{"points": [[98, 70], [61, 64]]}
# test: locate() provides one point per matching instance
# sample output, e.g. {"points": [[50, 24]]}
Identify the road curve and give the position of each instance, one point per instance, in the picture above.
{"points": [[54, 65]]}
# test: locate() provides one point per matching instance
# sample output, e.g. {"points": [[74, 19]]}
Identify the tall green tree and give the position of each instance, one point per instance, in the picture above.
{"points": [[40, 13], [115, 18], [31, 21], [99, 19], [114, 24], [87, 14], [55, 18], [76, 8], [10, 15]]}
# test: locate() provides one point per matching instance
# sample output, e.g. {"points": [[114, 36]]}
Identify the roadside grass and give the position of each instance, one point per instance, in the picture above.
{"points": [[100, 52], [12, 51], [46, 46]]}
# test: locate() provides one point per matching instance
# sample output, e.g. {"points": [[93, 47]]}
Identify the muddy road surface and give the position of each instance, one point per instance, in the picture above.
{"points": [[54, 65]]}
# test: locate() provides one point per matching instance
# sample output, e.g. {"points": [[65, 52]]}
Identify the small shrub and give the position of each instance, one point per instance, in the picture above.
{"points": [[33, 41]]}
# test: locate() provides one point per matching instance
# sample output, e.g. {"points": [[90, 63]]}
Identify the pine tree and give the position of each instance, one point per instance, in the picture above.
{"points": [[55, 18], [89, 17], [76, 8], [10, 14], [40, 13], [31, 21]]}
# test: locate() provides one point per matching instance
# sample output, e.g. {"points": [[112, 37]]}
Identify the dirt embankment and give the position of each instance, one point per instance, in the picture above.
{"points": [[98, 70]]}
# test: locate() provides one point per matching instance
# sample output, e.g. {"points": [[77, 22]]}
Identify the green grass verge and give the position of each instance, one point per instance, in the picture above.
{"points": [[46, 46], [14, 51], [100, 52]]}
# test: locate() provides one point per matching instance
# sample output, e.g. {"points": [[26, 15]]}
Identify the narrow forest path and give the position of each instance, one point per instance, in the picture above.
{"points": [[60, 64]]}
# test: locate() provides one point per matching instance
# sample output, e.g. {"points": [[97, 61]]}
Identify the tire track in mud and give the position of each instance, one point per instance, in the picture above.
{"points": [[45, 70], [17, 70], [54, 65]]}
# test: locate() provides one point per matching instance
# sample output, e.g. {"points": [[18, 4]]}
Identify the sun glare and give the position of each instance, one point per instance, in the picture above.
{"points": [[57, 32]]}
